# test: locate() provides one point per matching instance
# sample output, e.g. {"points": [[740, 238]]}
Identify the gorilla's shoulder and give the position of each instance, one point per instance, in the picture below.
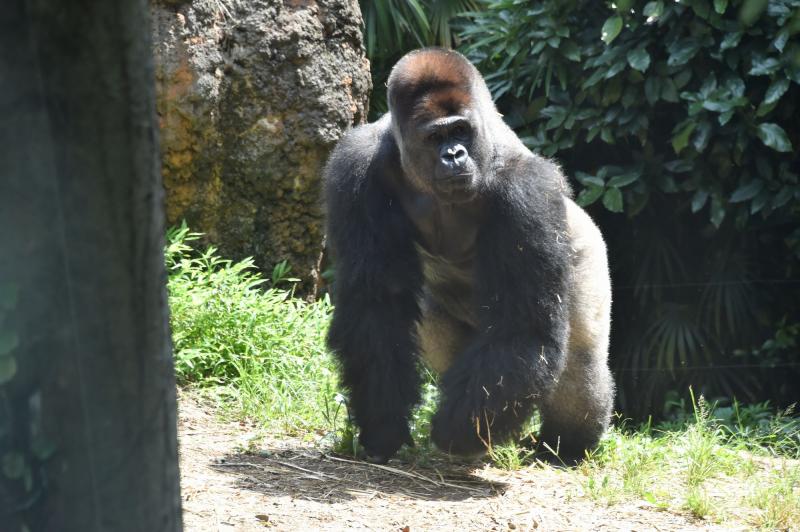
{"points": [[360, 151], [532, 170]]}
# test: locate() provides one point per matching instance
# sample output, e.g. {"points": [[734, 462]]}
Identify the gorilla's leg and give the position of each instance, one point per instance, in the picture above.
{"points": [[577, 412], [441, 336]]}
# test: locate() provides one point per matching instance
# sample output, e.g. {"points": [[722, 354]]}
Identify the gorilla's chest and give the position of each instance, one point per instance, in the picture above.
{"points": [[446, 247]]}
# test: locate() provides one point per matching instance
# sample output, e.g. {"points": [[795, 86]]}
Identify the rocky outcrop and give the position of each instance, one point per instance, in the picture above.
{"points": [[252, 95]]}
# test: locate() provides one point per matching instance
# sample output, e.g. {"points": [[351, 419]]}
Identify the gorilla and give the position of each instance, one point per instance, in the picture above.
{"points": [[454, 243]]}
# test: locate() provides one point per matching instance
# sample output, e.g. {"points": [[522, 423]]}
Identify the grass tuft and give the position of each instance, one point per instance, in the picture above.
{"points": [[777, 500], [259, 350]]}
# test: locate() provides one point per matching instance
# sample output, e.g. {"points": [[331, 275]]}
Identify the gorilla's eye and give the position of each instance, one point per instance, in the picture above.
{"points": [[460, 132], [434, 138]]}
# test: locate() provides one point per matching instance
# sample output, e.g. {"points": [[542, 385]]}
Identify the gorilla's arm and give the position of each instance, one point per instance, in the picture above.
{"points": [[521, 290], [377, 280]]}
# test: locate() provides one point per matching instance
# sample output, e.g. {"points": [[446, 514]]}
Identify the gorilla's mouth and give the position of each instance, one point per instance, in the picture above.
{"points": [[455, 188], [453, 182]]}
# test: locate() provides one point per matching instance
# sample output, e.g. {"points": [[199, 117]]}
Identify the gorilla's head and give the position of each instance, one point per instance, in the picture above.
{"points": [[441, 111]]}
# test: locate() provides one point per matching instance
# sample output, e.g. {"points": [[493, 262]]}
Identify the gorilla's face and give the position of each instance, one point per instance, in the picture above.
{"points": [[440, 107], [439, 156]]}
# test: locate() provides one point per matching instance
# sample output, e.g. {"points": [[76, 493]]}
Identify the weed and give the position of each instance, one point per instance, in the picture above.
{"points": [[697, 502], [777, 500], [511, 456]]}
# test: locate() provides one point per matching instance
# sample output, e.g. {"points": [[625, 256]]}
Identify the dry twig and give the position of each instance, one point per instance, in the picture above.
{"points": [[403, 473]]}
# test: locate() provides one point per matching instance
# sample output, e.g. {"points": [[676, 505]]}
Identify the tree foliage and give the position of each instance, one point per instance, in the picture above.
{"points": [[682, 116]]}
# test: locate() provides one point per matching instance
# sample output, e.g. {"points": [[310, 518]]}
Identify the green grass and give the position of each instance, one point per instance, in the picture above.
{"points": [[777, 500], [702, 467], [259, 351]]}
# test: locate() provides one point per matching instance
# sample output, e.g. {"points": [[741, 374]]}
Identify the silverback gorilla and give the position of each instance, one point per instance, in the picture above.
{"points": [[453, 241]]}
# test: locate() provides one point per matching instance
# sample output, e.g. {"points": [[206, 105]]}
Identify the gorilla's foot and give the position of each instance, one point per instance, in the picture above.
{"points": [[382, 440], [455, 430], [566, 448]]}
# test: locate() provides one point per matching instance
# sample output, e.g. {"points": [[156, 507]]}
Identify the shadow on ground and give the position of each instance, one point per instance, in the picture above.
{"points": [[305, 474]]}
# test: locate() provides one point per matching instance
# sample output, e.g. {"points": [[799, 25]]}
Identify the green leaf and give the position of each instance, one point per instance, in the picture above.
{"points": [[731, 40], [624, 5], [699, 199], [782, 197], [623, 180], [8, 342], [702, 136], [701, 9], [776, 90], [682, 51], [611, 28], [652, 89], [683, 77], [746, 192], [681, 139], [783, 37], [669, 92], [589, 196], [720, 6], [596, 76], [615, 69], [774, 136], [653, 10], [764, 66], [759, 202], [751, 11], [557, 115], [571, 51], [734, 85], [612, 199], [607, 170], [723, 106], [639, 59], [764, 110], [8, 368], [587, 179]]}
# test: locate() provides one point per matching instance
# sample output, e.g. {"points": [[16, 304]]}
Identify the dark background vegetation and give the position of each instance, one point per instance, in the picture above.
{"points": [[678, 124]]}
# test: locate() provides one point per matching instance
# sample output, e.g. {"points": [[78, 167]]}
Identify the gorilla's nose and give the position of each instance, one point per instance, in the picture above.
{"points": [[454, 157]]}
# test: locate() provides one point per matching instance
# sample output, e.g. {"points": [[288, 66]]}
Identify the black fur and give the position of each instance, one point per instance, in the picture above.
{"points": [[486, 247]]}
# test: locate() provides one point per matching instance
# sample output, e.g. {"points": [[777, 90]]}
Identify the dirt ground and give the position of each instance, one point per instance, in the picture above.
{"points": [[286, 484]]}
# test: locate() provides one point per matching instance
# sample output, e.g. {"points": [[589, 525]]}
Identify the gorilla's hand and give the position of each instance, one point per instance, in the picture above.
{"points": [[381, 440], [486, 398], [461, 422], [458, 430]]}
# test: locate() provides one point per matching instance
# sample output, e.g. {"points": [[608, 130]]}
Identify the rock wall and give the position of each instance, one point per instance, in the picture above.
{"points": [[252, 95]]}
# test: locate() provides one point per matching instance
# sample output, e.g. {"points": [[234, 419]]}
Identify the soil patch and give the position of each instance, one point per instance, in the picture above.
{"points": [[228, 483]]}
